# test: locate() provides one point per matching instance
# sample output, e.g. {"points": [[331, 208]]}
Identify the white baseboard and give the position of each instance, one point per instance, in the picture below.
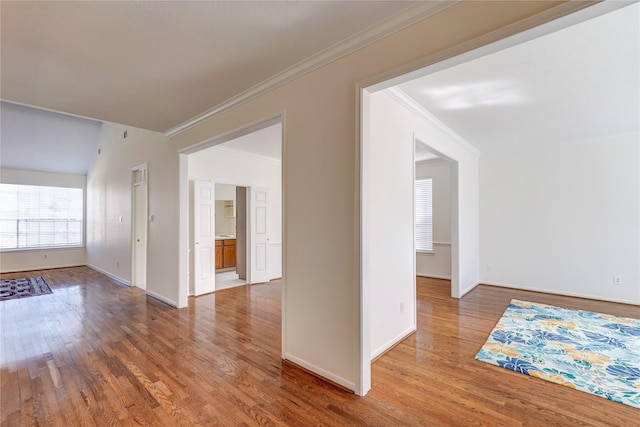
{"points": [[433, 276], [48, 267], [472, 287], [385, 347], [159, 297], [564, 293], [350, 385], [109, 275]]}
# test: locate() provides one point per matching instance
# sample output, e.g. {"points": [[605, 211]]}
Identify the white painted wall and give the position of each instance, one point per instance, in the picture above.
{"points": [[321, 315], [225, 191], [387, 186], [223, 223], [109, 198], [245, 170], [23, 260], [388, 214], [438, 263], [564, 220], [63, 143], [463, 159]]}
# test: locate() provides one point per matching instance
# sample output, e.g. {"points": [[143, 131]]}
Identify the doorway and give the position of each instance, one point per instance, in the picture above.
{"points": [[245, 169], [433, 212], [231, 236], [140, 208]]}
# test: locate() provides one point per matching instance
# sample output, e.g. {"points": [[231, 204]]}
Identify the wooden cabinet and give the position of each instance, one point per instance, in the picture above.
{"points": [[219, 246], [229, 253], [225, 253]]}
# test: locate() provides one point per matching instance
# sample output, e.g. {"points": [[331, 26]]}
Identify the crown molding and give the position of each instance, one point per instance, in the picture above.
{"points": [[408, 102], [395, 23]]}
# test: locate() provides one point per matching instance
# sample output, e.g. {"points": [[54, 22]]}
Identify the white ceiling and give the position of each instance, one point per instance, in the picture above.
{"points": [[34, 139], [156, 64], [266, 142], [570, 86]]}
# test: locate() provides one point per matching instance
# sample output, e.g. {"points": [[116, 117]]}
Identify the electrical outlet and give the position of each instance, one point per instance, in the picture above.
{"points": [[46, 256], [118, 264], [402, 306], [489, 267], [617, 280]]}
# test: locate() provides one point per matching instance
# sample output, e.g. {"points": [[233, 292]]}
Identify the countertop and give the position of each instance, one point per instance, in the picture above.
{"points": [[225, 237]]}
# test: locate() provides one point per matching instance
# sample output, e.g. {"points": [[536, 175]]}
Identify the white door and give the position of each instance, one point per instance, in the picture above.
{"points": [[258, 256], [140, 235], [204, 237]]}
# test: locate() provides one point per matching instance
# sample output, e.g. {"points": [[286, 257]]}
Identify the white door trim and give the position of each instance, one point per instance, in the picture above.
{"points": [[143, 181]]}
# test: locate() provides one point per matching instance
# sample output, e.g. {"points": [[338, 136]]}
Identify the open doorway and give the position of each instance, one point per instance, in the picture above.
{"points": [[433, 213], [244, 174], [392, 125], [230, 236]]}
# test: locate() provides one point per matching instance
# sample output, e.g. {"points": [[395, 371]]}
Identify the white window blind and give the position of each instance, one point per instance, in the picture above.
{"points": [[37, 216], [424, 214]]}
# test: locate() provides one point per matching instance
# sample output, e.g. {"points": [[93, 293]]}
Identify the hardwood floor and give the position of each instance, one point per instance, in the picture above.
{"points": [[96, 353]]}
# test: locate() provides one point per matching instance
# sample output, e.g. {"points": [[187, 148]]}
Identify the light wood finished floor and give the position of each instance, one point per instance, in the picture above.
{"points": [[96, 353]]}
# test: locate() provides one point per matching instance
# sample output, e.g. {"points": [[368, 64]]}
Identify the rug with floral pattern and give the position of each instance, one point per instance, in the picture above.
{"points": [[592, 352]]}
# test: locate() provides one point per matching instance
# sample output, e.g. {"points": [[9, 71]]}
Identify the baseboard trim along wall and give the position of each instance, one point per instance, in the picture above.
{"points": [[321, 372], [433, 276], [109, 275], [469, 289], [161, 298], [393, 342], [49, 267], [555, 292]]}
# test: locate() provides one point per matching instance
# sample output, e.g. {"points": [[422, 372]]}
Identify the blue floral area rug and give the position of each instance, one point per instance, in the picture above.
{"points": [[21, 288], [592, 352]]}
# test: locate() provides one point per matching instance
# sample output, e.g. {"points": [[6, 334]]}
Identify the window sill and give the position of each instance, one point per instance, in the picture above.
{"points": [[41, 248], [425, 252]]}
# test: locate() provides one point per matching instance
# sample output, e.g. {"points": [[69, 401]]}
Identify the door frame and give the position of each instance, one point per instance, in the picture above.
{"points": [[134, 221]]}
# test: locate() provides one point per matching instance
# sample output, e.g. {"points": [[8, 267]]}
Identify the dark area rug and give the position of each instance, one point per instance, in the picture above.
{"points": [[22, 288]]}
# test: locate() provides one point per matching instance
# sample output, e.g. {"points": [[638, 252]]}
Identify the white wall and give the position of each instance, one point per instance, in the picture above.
{"points": [[36, 259], [223, 223], [387, 204], [438, 263], [388, 212], [244, 170], [564, 220], [464, 195], [109, 198]]}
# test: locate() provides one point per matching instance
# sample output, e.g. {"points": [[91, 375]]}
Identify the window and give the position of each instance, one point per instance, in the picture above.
{"points": [[36, 217], [424, 214]]}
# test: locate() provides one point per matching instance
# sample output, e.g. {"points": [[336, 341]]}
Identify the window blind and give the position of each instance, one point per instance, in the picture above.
{"points": [[38, 216], [424, 214]]}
